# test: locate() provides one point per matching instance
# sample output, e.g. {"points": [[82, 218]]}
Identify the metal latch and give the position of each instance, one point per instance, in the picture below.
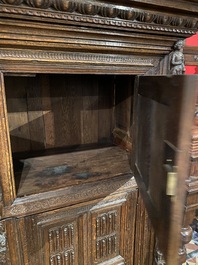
{"points": [[172, 178]]}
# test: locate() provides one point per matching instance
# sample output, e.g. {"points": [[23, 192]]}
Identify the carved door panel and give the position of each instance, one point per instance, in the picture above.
{"points": [[163, 116], [90, 233]]}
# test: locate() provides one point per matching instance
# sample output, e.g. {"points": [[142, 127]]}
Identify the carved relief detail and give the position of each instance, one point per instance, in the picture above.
{"points": [[12, 2], [61, 245], [39, 3], [105, 247], [63, 258], [106, 224], [88, 191], [70, 56], [98, 13], [106, 234], [177, 66], [2, 244]]}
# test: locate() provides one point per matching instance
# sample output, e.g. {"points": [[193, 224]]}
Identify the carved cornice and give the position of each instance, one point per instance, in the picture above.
{"points": [[97, 13]]}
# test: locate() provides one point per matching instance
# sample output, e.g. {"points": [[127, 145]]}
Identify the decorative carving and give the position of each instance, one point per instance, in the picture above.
{"points": [[75, 195], [106, 247], [88, 8], [65, 6], [163, 20], [64, 258], [106, 224], [129, 14], [100, 13], [196, 57], [106, 234], [61, 245], [177, 59], [2, 244], [186, 235], [109, 11], [159, 257], [39, 3], [146, 17], [12, 2], [70, 56]]}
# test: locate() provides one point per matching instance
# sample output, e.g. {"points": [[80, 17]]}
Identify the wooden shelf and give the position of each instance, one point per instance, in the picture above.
{"points": [[44, 173]]}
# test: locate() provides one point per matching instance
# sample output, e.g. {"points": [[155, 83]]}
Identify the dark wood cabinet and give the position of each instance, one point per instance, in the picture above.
{"points": [[76, 200], [68, 110]]}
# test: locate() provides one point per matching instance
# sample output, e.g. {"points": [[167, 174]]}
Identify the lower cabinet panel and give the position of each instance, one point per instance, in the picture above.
{"points": [[99, 232]]}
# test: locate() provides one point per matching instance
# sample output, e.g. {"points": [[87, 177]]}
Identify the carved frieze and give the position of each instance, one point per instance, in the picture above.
{"points": [[71, 56], [96, 12], [68, 196]]}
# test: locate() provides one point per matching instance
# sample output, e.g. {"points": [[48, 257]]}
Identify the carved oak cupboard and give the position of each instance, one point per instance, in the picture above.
{"points": [[77, 124]]}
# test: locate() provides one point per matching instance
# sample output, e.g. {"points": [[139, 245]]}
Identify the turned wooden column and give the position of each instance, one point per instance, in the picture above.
{"points": [[186, 236]]}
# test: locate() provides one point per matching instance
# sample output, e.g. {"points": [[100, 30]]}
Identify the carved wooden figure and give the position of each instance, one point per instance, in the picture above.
{"points": [[177, 59]]}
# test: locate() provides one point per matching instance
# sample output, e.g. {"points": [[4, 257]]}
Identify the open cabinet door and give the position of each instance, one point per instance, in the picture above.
{"points": [[163, 115], [6, 179]]}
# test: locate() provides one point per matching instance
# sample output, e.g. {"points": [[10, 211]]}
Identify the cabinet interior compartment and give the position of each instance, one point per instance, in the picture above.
{"points": [[61, 128]]}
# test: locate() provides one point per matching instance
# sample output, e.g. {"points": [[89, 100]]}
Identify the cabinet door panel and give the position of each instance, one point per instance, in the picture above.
{"points": [[96, 232], [55, 238], [163, 116]]}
